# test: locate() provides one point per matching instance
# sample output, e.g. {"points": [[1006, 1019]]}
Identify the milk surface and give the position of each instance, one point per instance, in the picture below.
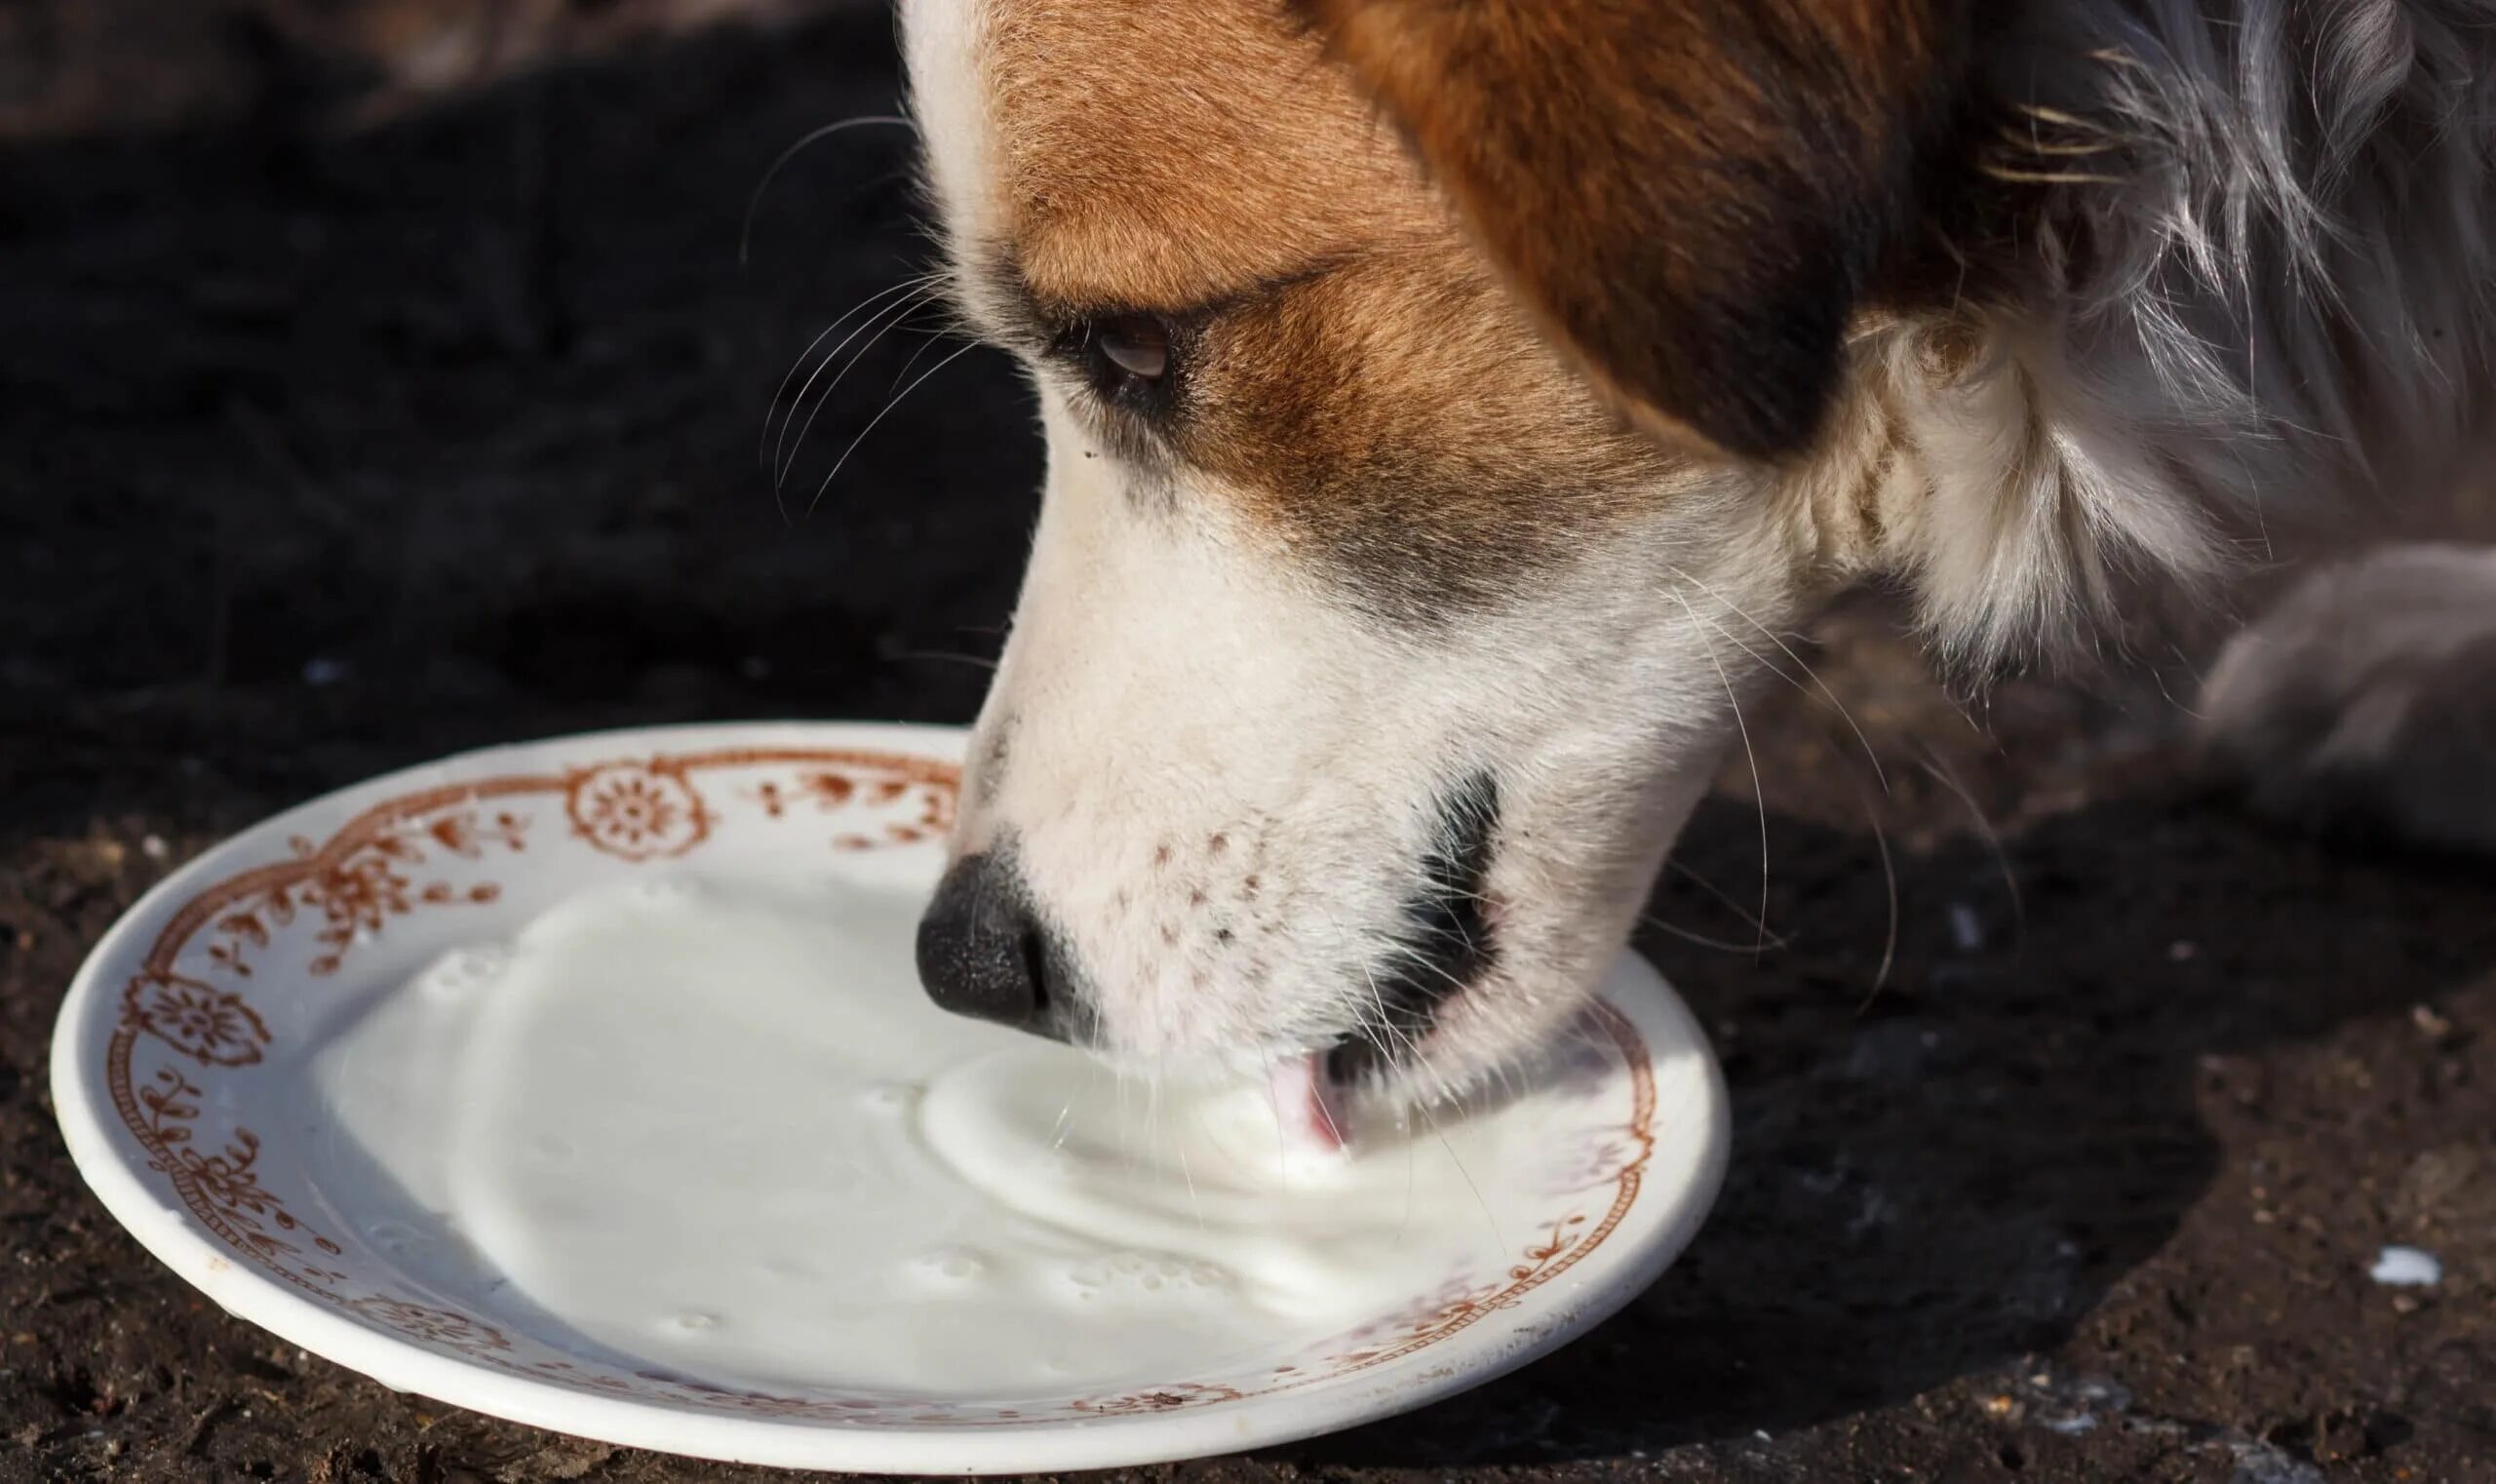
{"points": [[714, 1127]]}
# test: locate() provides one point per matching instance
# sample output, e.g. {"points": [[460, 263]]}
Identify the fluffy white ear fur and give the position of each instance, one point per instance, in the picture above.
{"points": [[2262, 287]]}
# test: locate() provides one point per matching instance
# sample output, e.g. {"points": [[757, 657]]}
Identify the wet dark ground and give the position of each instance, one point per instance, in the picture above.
{"points": [[320, 454]]}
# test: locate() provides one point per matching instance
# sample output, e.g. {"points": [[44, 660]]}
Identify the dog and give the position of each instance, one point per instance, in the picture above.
{"points": [[1448, 403]]}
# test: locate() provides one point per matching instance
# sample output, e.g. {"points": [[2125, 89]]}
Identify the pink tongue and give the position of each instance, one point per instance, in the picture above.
{"points": [[1305, 1097]]}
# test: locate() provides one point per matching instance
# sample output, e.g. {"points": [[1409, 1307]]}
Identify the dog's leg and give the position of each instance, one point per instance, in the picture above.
{"points": [[2364, 702]]}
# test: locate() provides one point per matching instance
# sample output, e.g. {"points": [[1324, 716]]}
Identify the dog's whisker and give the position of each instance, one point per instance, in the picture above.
{"points": [[824, 399], [1724, 899], [775, 447], [1890, 873], [1282, 1133], [1179, 1148], [1402, 1040], [1387, 1036], [895, 401], [1126, 1120], [1414, 957], [1812, 674], [771, 410], [1759, 790], [1411, 1166], [745, 233], [1942, 775], [812, 399], [1773, 942], [976, 661], [1489, 1220], [933, 337], [1871, 814]]}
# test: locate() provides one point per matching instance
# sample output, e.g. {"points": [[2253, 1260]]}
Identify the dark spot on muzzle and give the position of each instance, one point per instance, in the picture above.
{"points": [[1448, 942]]}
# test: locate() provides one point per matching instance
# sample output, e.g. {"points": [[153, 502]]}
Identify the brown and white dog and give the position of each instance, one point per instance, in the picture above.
{"points": [[1449, 402]]}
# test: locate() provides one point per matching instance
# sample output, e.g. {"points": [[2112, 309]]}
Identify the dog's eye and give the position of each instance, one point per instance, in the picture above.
{"points": [[1137, 344], [1131, 359]]}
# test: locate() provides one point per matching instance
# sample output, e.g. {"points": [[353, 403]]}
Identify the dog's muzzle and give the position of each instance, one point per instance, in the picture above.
{"points": [[985, 951]]}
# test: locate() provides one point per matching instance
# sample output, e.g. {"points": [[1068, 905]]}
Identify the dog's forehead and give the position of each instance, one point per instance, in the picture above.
{"points": [[1362, 391], [1133, 152]]}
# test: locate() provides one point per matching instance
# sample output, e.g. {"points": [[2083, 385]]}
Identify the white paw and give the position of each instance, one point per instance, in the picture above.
{"points": [[2364, 702]]}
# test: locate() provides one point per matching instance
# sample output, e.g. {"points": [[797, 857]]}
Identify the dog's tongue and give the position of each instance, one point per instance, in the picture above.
{"points": [[1306, 1100]]}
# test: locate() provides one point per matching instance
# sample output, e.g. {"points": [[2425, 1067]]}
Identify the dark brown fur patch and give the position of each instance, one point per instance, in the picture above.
{"points": [[1693, 196]]}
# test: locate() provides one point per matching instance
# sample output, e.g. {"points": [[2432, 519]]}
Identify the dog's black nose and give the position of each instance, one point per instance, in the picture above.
{"points": [[980, 950]]}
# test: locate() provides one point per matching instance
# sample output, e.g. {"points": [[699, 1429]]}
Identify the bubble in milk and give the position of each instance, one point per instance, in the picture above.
{"points": [[890, 1099], [666, 891], [457, 975], [949, 1267], [1140, 1276]]}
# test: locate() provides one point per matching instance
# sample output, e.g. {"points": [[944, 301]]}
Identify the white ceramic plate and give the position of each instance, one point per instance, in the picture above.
{"points": [[182, 1070]]}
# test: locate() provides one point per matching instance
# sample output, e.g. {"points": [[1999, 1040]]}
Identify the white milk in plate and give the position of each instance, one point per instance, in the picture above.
{"points": [[716, 1128]]}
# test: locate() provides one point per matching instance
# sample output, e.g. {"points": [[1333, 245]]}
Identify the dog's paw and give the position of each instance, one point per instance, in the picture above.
{"points": [[2364, 702]]}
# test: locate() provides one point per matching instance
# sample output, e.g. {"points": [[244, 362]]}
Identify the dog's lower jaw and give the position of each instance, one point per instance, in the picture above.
{"points": [[1552, 956]]}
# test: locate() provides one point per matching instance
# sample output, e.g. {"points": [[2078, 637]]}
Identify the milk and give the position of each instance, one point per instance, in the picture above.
{"points": [[714, 1127]]}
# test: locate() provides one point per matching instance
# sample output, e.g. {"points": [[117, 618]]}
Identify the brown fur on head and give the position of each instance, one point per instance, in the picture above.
{"points": [[1694, 197]]}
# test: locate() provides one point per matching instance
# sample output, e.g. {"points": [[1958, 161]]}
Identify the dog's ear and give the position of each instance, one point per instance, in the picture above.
{"points": [[1693, 196]]}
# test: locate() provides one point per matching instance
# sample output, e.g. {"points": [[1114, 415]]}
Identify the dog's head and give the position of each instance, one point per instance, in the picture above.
{"points": [[1447, 406]]}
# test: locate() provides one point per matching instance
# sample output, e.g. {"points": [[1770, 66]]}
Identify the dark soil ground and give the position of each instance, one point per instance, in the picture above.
{"points": [[324, 453]]}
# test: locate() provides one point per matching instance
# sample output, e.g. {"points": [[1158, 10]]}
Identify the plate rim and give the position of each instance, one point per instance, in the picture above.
{"points": [[171, 1233]]}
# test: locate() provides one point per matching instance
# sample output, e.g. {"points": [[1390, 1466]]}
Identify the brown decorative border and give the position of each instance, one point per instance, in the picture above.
{"points": [[348, 889]]}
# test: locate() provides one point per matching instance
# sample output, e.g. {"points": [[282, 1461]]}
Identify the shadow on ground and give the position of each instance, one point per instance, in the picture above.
{"points": [[1935, 1180]]}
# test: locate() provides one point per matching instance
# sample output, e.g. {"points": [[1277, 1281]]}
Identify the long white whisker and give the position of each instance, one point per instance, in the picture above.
{"points": [[1723, 897], [1773, 940], [1723, 945], [1386, 1026], [1890, 873], [1490, 1221], [975, 661], [934, 337], [1759, 790], [745, 233], [880, 418], [763, 455], [1814, 676], [1872, 816], [1178, 1147], [1948, 779], [824, 400]]}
